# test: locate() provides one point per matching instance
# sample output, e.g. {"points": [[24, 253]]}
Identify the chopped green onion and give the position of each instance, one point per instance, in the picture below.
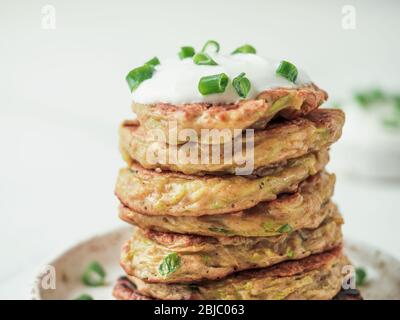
{"points": [[245, 49], [285, 228], [289, 253], [211, 43], [136, 76], [361, 276], [287, 70], [84, 297], [170, 264], [202, 58], [153, 62], [186, 52], [94, 275], [213, 84], [242, 85]]}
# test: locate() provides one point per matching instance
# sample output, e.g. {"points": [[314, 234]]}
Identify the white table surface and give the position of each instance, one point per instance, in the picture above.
{"points": [[62, 96]]}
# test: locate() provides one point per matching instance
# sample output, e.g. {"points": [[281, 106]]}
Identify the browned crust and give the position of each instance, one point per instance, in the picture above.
{"points": [[167, 238], [312, 195], [282, 269], [283, 140], [311, 97], [294, 267], [124, 289], [321, 116], [187, 240], [289, 103], [136, 184]]}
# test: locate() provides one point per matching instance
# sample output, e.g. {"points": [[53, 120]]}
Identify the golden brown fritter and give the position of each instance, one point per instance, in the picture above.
{"points": [[175, 258], [306, 208], [289, 103], [124, 289], [278, 143], [319, 277], [153, 193]]}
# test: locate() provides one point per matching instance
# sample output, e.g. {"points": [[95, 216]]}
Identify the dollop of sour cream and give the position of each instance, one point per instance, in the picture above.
{"points": [[176, 81]]}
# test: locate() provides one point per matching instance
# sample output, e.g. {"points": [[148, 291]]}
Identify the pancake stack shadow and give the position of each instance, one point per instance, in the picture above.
{"points": [[201, 231]]}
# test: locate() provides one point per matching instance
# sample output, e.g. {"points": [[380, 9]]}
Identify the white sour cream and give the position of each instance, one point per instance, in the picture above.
{"points": [[176, 81]]}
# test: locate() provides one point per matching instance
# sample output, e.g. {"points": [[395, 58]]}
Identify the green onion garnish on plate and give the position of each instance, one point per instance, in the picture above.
{"points": [[242, 85], [213, 84], [287, 70], [212, 44], [136, 76], [153, 62], [203, 59], [245, 49], [84, 297], [186, 52], [94, 275], [289, 253], [361, 276]]}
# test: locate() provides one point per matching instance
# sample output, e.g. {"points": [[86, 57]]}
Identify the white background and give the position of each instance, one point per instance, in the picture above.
{"points": [[63, 94]]}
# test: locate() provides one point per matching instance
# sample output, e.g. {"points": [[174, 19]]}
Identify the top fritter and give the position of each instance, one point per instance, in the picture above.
{"points": [[210, 90]]}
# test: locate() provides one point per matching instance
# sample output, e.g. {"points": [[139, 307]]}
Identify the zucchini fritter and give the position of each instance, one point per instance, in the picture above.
{"points": [[174, 258], [280, 142], [318, 277], [289, 103], [165, 193], [306, 208]]}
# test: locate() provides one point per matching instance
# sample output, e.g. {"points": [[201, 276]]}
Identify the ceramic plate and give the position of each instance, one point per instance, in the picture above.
{"points": [[383, 271]]}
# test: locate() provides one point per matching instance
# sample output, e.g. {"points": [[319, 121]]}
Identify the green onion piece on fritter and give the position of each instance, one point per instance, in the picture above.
{"points": [[286, 228], [94, 275], [211, 44], [136, 76], [289, 253], [242, 85], [170, 264], [287, 70], [153, 62], [361, 276], [245, 49], [84, 297], [213, 84], [203, 59], [186, 52]]}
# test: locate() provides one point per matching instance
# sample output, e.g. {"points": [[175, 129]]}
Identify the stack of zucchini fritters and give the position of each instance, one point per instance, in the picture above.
{"points": [[203, 232]]}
